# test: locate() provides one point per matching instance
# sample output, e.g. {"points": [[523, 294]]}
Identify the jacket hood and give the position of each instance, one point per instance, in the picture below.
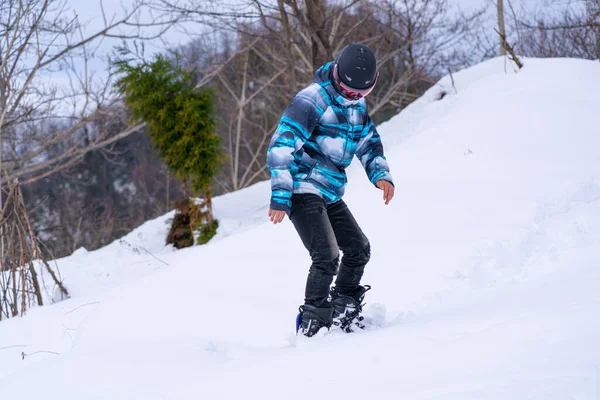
{"points": [[323, 77]]}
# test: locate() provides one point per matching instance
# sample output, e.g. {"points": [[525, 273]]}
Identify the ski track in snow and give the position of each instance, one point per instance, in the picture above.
{"points": [[485, 268]]}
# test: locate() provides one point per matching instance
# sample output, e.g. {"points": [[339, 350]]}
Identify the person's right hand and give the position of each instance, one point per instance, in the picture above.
{"points": [[276, 216]]}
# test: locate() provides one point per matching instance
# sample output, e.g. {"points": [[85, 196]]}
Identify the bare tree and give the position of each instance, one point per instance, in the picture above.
{"points": [[417, 43], [22, 265], [39, 37], [569, 29], [242, 173]]}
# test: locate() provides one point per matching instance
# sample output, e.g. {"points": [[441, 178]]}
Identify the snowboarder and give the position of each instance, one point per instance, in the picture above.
{"points": [[319, 133]]}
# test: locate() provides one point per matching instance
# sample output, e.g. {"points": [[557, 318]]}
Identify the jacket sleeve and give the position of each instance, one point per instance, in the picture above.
{"points": [[370, 154], [295, 127]]}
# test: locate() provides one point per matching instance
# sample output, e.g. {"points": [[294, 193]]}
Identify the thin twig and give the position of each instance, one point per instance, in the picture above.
{"points": [[13, 346], [23, 354], [82, 305]]}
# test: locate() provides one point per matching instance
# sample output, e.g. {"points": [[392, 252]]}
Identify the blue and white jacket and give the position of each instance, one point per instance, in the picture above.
{"points": [[318, 135]]}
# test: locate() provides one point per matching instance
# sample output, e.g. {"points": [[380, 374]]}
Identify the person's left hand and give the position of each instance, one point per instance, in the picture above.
{"points": [[388, 190], [276, 216]]}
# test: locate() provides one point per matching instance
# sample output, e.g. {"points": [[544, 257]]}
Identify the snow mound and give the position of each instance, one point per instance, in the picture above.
{"points": [[485, 271]]}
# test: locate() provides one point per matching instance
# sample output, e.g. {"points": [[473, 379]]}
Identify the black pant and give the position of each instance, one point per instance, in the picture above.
{"points": [[324, 230]]}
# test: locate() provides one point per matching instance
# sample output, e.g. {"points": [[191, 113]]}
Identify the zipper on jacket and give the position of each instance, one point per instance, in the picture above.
{"points": [[349, 133]]}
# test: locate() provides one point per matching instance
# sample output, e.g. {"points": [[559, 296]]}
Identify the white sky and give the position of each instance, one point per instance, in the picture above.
{"points": [[90, 13], [91, 17]]}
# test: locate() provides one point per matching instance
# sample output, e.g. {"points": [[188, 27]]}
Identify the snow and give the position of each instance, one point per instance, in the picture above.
{"points": [[487, 262]]}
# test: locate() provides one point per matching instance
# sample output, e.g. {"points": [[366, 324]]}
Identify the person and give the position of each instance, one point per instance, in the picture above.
{"points": [[319, 133]]}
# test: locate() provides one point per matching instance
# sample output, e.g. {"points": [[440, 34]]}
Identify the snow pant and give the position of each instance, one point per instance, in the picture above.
{"points": [[325, 229]]}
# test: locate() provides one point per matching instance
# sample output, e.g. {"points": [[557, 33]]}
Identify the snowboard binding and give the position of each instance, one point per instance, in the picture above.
{"points": [[347, 309], [311, 319]]}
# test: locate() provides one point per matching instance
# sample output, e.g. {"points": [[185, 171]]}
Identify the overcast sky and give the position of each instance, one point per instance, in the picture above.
{"points": [[90, 14]]}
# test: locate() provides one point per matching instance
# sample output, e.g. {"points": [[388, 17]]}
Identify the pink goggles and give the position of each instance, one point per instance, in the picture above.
{"points": [[352, 93]]}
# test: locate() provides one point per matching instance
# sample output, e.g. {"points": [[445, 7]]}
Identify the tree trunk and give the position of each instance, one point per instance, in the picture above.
{"points": [[291, 61], [209, 214], [598, 40], [168, 189], [315, 21], [501, 28], [186, 189]]}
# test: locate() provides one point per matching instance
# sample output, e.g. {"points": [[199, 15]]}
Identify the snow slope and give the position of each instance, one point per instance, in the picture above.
{"points": [[487, 260]]}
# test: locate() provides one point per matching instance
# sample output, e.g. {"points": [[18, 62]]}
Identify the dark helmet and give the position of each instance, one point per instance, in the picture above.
{"points": [[356, 66]]}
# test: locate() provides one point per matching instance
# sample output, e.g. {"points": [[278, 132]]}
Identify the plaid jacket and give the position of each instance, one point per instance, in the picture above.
{"points": [[316, 139]]}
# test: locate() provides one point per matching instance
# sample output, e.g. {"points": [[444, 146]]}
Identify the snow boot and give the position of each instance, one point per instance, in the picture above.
{"points": [[347, 308], [310, 319]]}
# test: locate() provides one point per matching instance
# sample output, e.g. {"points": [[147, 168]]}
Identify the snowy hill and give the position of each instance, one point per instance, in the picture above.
{"points": [[487, 261]]}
